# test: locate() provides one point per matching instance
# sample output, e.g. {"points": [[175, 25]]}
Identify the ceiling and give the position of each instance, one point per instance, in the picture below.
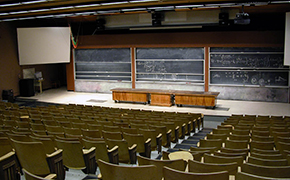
{"points": [[138, 13]]}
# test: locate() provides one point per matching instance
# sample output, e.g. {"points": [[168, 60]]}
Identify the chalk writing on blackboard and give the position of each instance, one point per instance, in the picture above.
{"points": [[261, 78], [247, 60]]}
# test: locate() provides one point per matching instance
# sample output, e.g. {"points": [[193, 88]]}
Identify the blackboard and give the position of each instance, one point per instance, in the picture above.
{"points": [[247, 60], [103, 64], [158, 66], [170, 64], [261, 66], [260, 78], [170, 53], [103, 55]]}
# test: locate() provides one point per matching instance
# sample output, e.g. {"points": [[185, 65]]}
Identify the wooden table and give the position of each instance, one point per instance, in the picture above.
{"points": [[165, 97], [196, 98]]}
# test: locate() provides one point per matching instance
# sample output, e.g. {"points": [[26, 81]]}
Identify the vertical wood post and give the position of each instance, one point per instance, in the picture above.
{"points": [[133, 70], [206, 68]]}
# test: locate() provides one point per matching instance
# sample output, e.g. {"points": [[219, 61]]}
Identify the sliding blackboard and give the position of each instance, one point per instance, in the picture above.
{"points": [[260, 78], [103, 64], [170, 64], [261, 66]]}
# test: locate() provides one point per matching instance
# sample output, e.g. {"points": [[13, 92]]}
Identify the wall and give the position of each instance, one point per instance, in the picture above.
{"points": [[193, 39], [11, 71]]}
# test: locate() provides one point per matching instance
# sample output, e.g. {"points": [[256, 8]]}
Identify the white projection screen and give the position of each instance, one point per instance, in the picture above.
{"points": [[287, 40], [45, 45]]}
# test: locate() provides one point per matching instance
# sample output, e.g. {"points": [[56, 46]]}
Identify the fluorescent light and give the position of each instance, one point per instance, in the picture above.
{"points": [[26, 18], [48, 16], [108, 12], [60, 8], [4, 14], [161, 8], [63, 15], [39, 10], [188, 6], [85, 13], [14, 19], [140, 1], [114, 3], [18, 12], [34, 2], [12, 4], [134, 9], [87, 5]]}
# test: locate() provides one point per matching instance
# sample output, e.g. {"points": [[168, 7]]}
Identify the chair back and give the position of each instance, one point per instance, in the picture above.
{"points": [[199, 167], [178, 164], [171, 174], [268, 171], [72, 153], [32, 157], [116, 172]]}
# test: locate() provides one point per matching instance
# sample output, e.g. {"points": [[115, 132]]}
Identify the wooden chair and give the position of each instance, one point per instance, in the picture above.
{"points": [[116, 172], [267, 162], [267, 156], [112, 135], [243, 176], [224, 154], [75, 157], [30, 176], [8, 167], [264, 145], [178, 164], [5, 146], [129, 130], [199, 167], [210, 149], [143, 145], [260, 133], [267, 171], [239, 137], [166, 134], [265, 152], [262, 138], [91, 133], [126, 153], [102, 151], [156, 138], [171, 174], [48, 143], [282, 139], [33, 158], [210, 143], [221, 131], [241, 132], [283, 146], [221, 159], [223, 137], [234, 144]]}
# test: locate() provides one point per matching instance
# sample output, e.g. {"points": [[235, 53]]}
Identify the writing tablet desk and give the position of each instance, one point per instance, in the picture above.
{"points": [[195, 98]]}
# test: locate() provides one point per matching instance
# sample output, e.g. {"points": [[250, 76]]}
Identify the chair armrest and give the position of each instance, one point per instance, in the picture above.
{"points": [[50, 176], [176, 134], [114, 155], [159, 142], [182, 131], [194, 126], [90, 160], [132, 153], [168, 138], [188, 128], [55, 163], [147, 146], [198, 123]]}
